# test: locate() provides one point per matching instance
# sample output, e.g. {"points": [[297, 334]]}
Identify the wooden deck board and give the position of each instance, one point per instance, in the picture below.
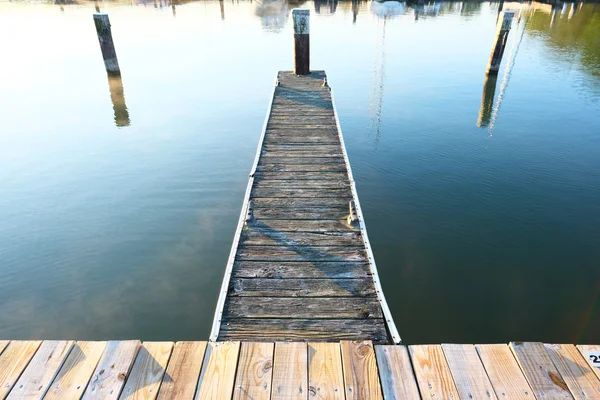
{"points": [[325, 375], [147, 371], [395, 371], [181, 378], [577, 374], [589, 352], [504, 372], [333, 287], [254, 372], [13, 361], [360, 370], [290, 372], [468, 373], [432, 372], [218, 372]]}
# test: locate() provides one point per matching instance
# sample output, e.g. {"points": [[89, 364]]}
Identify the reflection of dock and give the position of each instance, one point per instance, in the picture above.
{"points": [[265, 370]]}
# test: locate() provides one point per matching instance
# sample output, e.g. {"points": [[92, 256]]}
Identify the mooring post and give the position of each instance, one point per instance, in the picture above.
{"points": [[106, 44], [301, 18], [502, 29]]}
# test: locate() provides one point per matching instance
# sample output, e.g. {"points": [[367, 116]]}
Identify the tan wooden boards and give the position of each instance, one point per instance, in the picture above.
{"points": [[290, 372], [467, 371], [591, 353], [218, 372], [396, 373], [147, 371], [254, 372], [181, 378], [504, 372], [577, 374], [360, 370], [298, 261], [325, 375], [432, 372], [13, 360]]}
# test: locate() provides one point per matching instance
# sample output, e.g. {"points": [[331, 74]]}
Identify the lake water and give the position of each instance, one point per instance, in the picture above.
{"points": [[117, 212]]}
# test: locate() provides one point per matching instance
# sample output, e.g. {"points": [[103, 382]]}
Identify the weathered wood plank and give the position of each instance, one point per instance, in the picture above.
{"points": [[325, 375], [252, 236], [586, 351], [267, 159], [310, 176], [302, 153], [504, 372], [291, 270], [467, 371], [305, 140], [397, 378], [307, 307], [113, 369], [278, 202], [218, 372], [292, 149], [13, 361], [75, 373], [37, 377], [301, 183], [301, 192], [290, 371], [300, 253], [314, 213], [254, 372], [541, 374], [280, 166], [302, 329], [147, 371], [432, 372], [305, 225], [259, 287], [181, 377], [3, 344], [575, 371], [360, 370]]}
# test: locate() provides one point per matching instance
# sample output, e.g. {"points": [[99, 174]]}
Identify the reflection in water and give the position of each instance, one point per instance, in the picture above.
{"points": [[273, 13], [325, 7], [487, 100], [387, 9], [222, 7], [117, 97], [378, 81]]}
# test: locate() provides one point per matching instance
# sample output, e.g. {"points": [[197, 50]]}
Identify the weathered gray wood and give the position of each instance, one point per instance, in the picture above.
{"points": [[302, 308], [300, 253], [302, 175], [286, 160], [267, 237], [397, 377], [316, 213], [302, 202], [301, 192], [290, 270], [303, 329], [106, 44], [302, 167], [340, 225], [259, 287], [311, 184]]}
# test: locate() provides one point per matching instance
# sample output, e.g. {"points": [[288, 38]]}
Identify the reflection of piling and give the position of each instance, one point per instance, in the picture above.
{"points": [[222, 10], [502, 29], [354, 10], [487, 100], [96, 6], [106, 44], [117, 97], [301, 19]]}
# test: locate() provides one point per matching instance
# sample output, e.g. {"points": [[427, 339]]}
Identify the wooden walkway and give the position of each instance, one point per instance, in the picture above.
{"points": [[301, 267], [70, 370]]}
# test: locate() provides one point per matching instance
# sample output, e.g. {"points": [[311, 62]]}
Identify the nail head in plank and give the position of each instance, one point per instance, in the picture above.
{"points": [[254, 372], [360, 370], [37, 377], [325, 374], [113, 369], [504, 372], [432, 372], [538, 368], [467, 371], [181, 377], [13, 361], [290, 371], [74, 375], [575, 371], [147, 371], [218, 372], [397, 378], [588, 351]]}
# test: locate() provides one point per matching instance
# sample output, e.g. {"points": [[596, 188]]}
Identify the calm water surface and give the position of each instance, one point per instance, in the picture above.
{"points": [[119, 199]]}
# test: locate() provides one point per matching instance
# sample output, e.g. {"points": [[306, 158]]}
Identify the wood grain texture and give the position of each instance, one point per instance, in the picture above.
{"points": [[396, 374], [576, 372], [301, 192], [300, 253], [75, 373], [291, 270], [113, 369], [325, 374], [147, 371], [504, 372], [585, 349], [3, 344], [254, 372], [360, 370], [252, 236], [13, 361], [318, 213], [278, 202], [468, 372], [181, 378], [259, 287], [307, 329], [290, 372], [37, 377], [307, 307], [538, 368], [432, 372], [277, 226], [218, 372]]}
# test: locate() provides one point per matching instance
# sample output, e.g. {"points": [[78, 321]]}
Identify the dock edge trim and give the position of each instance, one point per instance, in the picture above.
{"points": [[363, 230], [216, 327]]}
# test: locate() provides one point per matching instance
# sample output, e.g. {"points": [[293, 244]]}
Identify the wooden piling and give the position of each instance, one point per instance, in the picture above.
{"points": [[502, 29], [301, 19], [106, 44]]}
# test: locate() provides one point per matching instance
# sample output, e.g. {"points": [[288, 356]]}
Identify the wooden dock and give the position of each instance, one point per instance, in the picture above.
{"points": [[301, 267], [68, 370]]}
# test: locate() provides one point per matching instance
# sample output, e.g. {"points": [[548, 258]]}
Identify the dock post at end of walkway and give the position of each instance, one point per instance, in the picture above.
{"points": [[106, 44], [502, 30], [301, 19]]}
